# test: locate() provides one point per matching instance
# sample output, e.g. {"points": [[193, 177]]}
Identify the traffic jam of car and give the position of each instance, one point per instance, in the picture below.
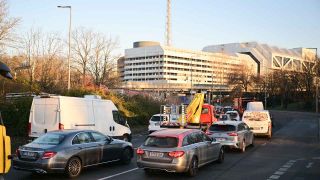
{"points": [[176, 143]]}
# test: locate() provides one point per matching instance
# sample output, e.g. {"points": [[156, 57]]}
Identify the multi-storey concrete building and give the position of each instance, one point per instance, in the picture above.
{"points": [[148, 65], [270, 57]]}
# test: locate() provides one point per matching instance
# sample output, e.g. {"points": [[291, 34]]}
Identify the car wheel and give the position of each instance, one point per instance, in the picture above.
{"points": [[193, 167], [73, 168], [126, 156], [243, 146], [252, 142], [221, 156], [270, 133], [125, 138]]}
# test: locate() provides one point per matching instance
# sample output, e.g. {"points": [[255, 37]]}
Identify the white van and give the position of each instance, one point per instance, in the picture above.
{"points": [[259, 122], [61, 112]]}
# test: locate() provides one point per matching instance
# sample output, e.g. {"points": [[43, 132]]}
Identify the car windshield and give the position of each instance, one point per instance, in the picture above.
{"points": [[162, 142], [52, 139], [155, 118], [221, 128], [205, 111]]}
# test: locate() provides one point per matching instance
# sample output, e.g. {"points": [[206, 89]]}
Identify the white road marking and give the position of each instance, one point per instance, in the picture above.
{"points": [[290, 164], [108, 177], [279, 173], [274, 177], [283, 169], [301, 159], [263, 144], [316, 158], [287, 166], [309, 165]]}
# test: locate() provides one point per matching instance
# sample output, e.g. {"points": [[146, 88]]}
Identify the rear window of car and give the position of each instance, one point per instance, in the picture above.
{"points": [[227, 109], [218, 127], [255, 116], [162, 142], [51, 139], [233, 115], [223, 117]]}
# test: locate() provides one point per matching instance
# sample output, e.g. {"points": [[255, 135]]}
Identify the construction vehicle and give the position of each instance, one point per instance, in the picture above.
{"points": [[5, 144], [195, 115]]}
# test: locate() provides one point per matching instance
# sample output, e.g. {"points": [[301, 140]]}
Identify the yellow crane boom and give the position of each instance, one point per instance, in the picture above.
{"points": [[193, 110]]}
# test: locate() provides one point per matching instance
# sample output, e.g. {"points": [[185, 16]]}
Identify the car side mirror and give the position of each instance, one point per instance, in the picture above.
{"points": [[108, 139]]}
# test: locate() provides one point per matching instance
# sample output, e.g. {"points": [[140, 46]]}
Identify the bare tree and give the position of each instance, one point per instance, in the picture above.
{"points": [[50, 65], [7, 25], [94, 53], [103, 62], [82, 42], [30, 46], [43, 62], [241, 78]]}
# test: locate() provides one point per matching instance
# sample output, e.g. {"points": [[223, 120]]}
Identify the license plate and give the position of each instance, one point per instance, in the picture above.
{"points": [[156, 154], [256, 128], [220, 139], [157, 124], [28, 154]]}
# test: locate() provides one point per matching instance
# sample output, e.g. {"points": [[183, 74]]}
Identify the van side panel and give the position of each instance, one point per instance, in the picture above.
{"points": [[76, 113], [103, 117]]}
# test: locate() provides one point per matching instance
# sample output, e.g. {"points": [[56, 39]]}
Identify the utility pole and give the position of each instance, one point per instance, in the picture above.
{"points": [[69, 51], [168, 24]]}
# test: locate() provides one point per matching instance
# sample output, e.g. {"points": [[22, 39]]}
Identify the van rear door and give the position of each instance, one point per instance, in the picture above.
{"points": [[44, 116]]}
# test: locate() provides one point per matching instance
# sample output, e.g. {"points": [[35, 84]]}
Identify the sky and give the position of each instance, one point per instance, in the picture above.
{"points": [[195, 23]]}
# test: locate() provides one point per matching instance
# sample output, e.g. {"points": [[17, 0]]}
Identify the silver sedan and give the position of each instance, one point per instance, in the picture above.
{"points": [[234, 134], [178, 150]]}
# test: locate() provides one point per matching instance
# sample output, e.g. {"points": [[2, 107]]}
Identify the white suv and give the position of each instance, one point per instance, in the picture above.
{"points": [[157, 119]]}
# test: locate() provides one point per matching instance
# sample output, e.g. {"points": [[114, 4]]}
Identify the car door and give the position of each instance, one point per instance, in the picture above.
{"points": [[211, 150], [241, 133], [110, 150], [88, 149], [249, 133], [201, 146]]}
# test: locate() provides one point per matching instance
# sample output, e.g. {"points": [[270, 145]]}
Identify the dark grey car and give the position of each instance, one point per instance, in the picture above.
{"points": [[69, 151]]}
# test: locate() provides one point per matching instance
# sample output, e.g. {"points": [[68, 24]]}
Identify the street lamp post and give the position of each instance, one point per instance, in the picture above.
{"points": [[69, 51]]}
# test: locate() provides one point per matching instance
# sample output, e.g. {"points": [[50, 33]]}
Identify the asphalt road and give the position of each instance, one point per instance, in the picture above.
{"points": [[292, 154]]}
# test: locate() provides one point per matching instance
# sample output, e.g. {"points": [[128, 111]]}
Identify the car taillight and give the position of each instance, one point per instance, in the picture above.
{"points": [[140, 151], [29, 128], [209, 133], [48, 154], [61, 126], [176, 154], [233, 134], [17, 152]]}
